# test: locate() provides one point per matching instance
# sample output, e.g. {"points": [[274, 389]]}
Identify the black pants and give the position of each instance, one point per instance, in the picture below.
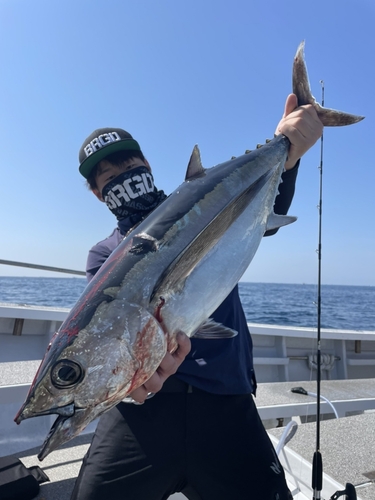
{"points": [[208, 447]]}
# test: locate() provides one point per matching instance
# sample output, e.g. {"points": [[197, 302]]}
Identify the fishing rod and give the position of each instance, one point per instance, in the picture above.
{"points": [[317, 464], [43, 268]]}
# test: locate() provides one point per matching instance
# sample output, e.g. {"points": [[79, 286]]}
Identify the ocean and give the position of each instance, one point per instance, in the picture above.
{"points": [[342, 307]]}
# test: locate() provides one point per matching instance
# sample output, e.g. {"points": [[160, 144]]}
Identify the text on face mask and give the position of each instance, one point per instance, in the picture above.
{"points": [[129, 190]]}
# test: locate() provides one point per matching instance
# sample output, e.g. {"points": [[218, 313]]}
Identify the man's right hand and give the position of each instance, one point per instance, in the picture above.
{"points": [[169, 365]]}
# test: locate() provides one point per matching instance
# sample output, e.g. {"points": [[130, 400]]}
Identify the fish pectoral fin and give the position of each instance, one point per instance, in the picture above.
{"points": [[212, 330], [144, 243], [275, 221], [111, 291]]}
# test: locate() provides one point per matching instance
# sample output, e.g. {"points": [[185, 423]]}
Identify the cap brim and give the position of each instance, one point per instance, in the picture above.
{"points": [[124, 145]]}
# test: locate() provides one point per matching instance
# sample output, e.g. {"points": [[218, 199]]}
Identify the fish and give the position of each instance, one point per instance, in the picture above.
{"points": [[168, 275]]}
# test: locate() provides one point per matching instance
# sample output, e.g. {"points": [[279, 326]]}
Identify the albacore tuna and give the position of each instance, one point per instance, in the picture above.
{"points": [[168, 275]]}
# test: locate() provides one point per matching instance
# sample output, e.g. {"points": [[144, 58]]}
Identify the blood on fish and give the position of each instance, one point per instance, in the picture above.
{"points": [[70, 333], [158, 310], [143, 351]]}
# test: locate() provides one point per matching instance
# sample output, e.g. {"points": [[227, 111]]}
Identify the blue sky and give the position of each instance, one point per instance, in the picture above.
{"points": [[177, 73]]}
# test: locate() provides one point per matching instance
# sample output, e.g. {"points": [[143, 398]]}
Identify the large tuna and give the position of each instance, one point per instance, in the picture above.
{"points": [[168, 275]]}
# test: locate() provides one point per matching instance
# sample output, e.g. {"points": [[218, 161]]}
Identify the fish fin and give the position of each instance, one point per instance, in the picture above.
{"points": [[176, 273], [195, 168], [275, 221], [212, 330], [144, 243], [112, 291], [301, 88]]}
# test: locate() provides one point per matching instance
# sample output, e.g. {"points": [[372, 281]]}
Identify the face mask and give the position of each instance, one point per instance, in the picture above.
{"points": [[132, 194]]}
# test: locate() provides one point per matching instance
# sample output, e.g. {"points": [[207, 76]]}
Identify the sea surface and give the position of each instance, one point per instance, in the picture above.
{"points": [[342, 307]]}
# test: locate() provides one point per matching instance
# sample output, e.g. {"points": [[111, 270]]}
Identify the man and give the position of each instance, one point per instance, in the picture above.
{"points": [[200, 433]]}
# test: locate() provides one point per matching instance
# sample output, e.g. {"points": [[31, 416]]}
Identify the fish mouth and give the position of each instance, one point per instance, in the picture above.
{"points": [[63, 411], [68, 424], [64, 429], [45, 449]]}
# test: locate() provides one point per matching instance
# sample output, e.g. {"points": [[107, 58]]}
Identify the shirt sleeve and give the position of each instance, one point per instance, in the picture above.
{"points": [[100, 252], [95, 259]]}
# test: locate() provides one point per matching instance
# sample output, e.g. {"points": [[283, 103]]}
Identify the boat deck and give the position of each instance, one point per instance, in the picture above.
{"points": [[348, 451], [276, 401], [348, 444]]}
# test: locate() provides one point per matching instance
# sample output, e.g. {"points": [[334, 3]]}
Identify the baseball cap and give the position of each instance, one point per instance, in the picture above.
{"points": [[101, 143]]}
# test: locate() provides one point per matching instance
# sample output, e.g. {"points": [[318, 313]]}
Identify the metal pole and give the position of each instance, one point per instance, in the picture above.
{"points": [[43, 268]]}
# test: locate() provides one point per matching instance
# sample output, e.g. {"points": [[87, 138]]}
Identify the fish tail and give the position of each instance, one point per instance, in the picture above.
{"points": [[301, 88]]}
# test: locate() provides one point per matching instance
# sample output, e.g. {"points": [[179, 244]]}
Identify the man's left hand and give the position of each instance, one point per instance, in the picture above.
{"points": [[302, 127]]}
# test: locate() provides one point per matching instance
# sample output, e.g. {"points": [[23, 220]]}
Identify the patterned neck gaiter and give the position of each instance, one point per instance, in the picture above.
{"points": [[132, 194]]}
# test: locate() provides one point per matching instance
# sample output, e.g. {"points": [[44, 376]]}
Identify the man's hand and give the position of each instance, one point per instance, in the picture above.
{"points": [[302, 127], [167, 367]]}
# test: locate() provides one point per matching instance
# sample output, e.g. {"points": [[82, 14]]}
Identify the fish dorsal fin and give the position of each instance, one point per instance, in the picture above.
{"points": [[209, 329], [195, 167], [275, 221]]}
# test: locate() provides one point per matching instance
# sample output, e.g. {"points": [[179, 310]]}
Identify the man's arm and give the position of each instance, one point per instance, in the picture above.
{"points": [[303, 128]]}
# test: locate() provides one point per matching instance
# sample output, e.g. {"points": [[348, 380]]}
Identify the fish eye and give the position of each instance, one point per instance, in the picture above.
{"points": [[66, 374]]}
